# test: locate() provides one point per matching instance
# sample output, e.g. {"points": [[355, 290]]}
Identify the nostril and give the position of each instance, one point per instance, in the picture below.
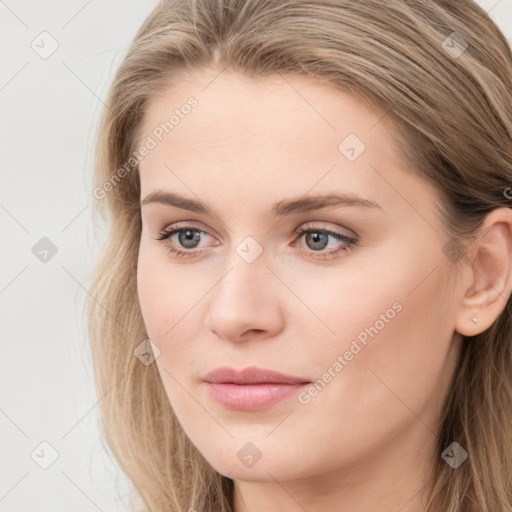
{"points": [[252, 331]]}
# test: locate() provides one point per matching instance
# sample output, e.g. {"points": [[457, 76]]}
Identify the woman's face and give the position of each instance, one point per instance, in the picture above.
{"points": [[358, 305]]}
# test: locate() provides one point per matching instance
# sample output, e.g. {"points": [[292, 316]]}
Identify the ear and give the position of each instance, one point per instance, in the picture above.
{"points": [[488, 283]]}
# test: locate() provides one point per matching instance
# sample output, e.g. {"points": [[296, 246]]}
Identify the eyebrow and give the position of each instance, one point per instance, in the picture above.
{"points": [[281, 208]]}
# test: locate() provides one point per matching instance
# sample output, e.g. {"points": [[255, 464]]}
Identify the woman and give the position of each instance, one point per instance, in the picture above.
{"points": [[303, 303]]}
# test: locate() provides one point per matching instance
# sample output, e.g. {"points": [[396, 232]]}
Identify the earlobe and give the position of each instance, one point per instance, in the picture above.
{"points": [[489, 281]]}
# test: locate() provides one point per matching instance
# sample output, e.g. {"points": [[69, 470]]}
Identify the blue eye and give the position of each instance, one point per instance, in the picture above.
{"points": [[317, 239], [187, 237]]}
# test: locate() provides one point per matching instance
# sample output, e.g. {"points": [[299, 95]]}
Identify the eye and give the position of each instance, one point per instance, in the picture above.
{"points": [[188, 237], [316, 239]]}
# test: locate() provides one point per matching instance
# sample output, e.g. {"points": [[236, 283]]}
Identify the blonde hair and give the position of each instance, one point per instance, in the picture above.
{"points": [[452, 106]]}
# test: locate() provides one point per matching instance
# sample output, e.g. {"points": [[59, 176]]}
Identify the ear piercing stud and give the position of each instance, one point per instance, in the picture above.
{"points": [[475, 319]]}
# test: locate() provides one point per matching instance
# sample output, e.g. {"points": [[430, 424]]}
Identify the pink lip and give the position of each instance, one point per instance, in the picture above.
{"points": [[251, 388]]}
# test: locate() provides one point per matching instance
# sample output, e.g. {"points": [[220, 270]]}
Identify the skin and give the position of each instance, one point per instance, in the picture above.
{"points": [[367, 440]]}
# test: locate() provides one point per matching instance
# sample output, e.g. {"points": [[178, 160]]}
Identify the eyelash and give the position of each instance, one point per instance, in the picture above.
{"points": [[350, 242]]}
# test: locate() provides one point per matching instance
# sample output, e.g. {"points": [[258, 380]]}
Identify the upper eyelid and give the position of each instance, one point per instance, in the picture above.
{"points": [[172, 228], [175, 226]]}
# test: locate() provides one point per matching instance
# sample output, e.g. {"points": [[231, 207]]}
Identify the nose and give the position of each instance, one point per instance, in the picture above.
{"points": [[245, 304]]}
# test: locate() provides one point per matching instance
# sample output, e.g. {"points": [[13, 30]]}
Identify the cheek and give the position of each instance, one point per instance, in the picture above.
{"points": [[394, 340], [171, 306], [387, 354], [165, 297], [166, 293]]}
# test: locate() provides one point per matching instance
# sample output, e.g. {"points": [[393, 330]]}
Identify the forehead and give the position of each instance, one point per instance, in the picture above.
{"points": [[280, 133], [297, 107]]}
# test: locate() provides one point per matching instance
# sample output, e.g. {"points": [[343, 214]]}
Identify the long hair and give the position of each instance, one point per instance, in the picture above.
{"points": [[443, 72]]}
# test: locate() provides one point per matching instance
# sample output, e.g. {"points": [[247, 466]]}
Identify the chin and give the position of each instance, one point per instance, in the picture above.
{"points": [[243, 460]]}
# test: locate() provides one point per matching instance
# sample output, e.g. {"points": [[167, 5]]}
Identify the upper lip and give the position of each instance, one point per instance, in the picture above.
{"points": [[251, 375]]}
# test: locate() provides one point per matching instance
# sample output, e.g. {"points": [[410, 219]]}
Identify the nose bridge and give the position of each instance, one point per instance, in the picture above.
{"points": [[240, 300], [245, 262], [239, 286]]}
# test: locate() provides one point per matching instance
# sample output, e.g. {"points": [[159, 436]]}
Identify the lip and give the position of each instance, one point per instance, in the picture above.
{"points": [[251, 388]]}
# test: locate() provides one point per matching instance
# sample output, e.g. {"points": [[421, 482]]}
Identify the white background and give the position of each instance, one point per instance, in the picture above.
{"points": [[50, 111]]}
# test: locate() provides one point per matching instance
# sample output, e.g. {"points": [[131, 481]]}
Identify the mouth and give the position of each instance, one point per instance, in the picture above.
{"points": [[251, 388]]}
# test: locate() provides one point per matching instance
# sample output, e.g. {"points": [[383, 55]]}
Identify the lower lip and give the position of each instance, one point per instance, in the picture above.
{"points": [[251, 397]]}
